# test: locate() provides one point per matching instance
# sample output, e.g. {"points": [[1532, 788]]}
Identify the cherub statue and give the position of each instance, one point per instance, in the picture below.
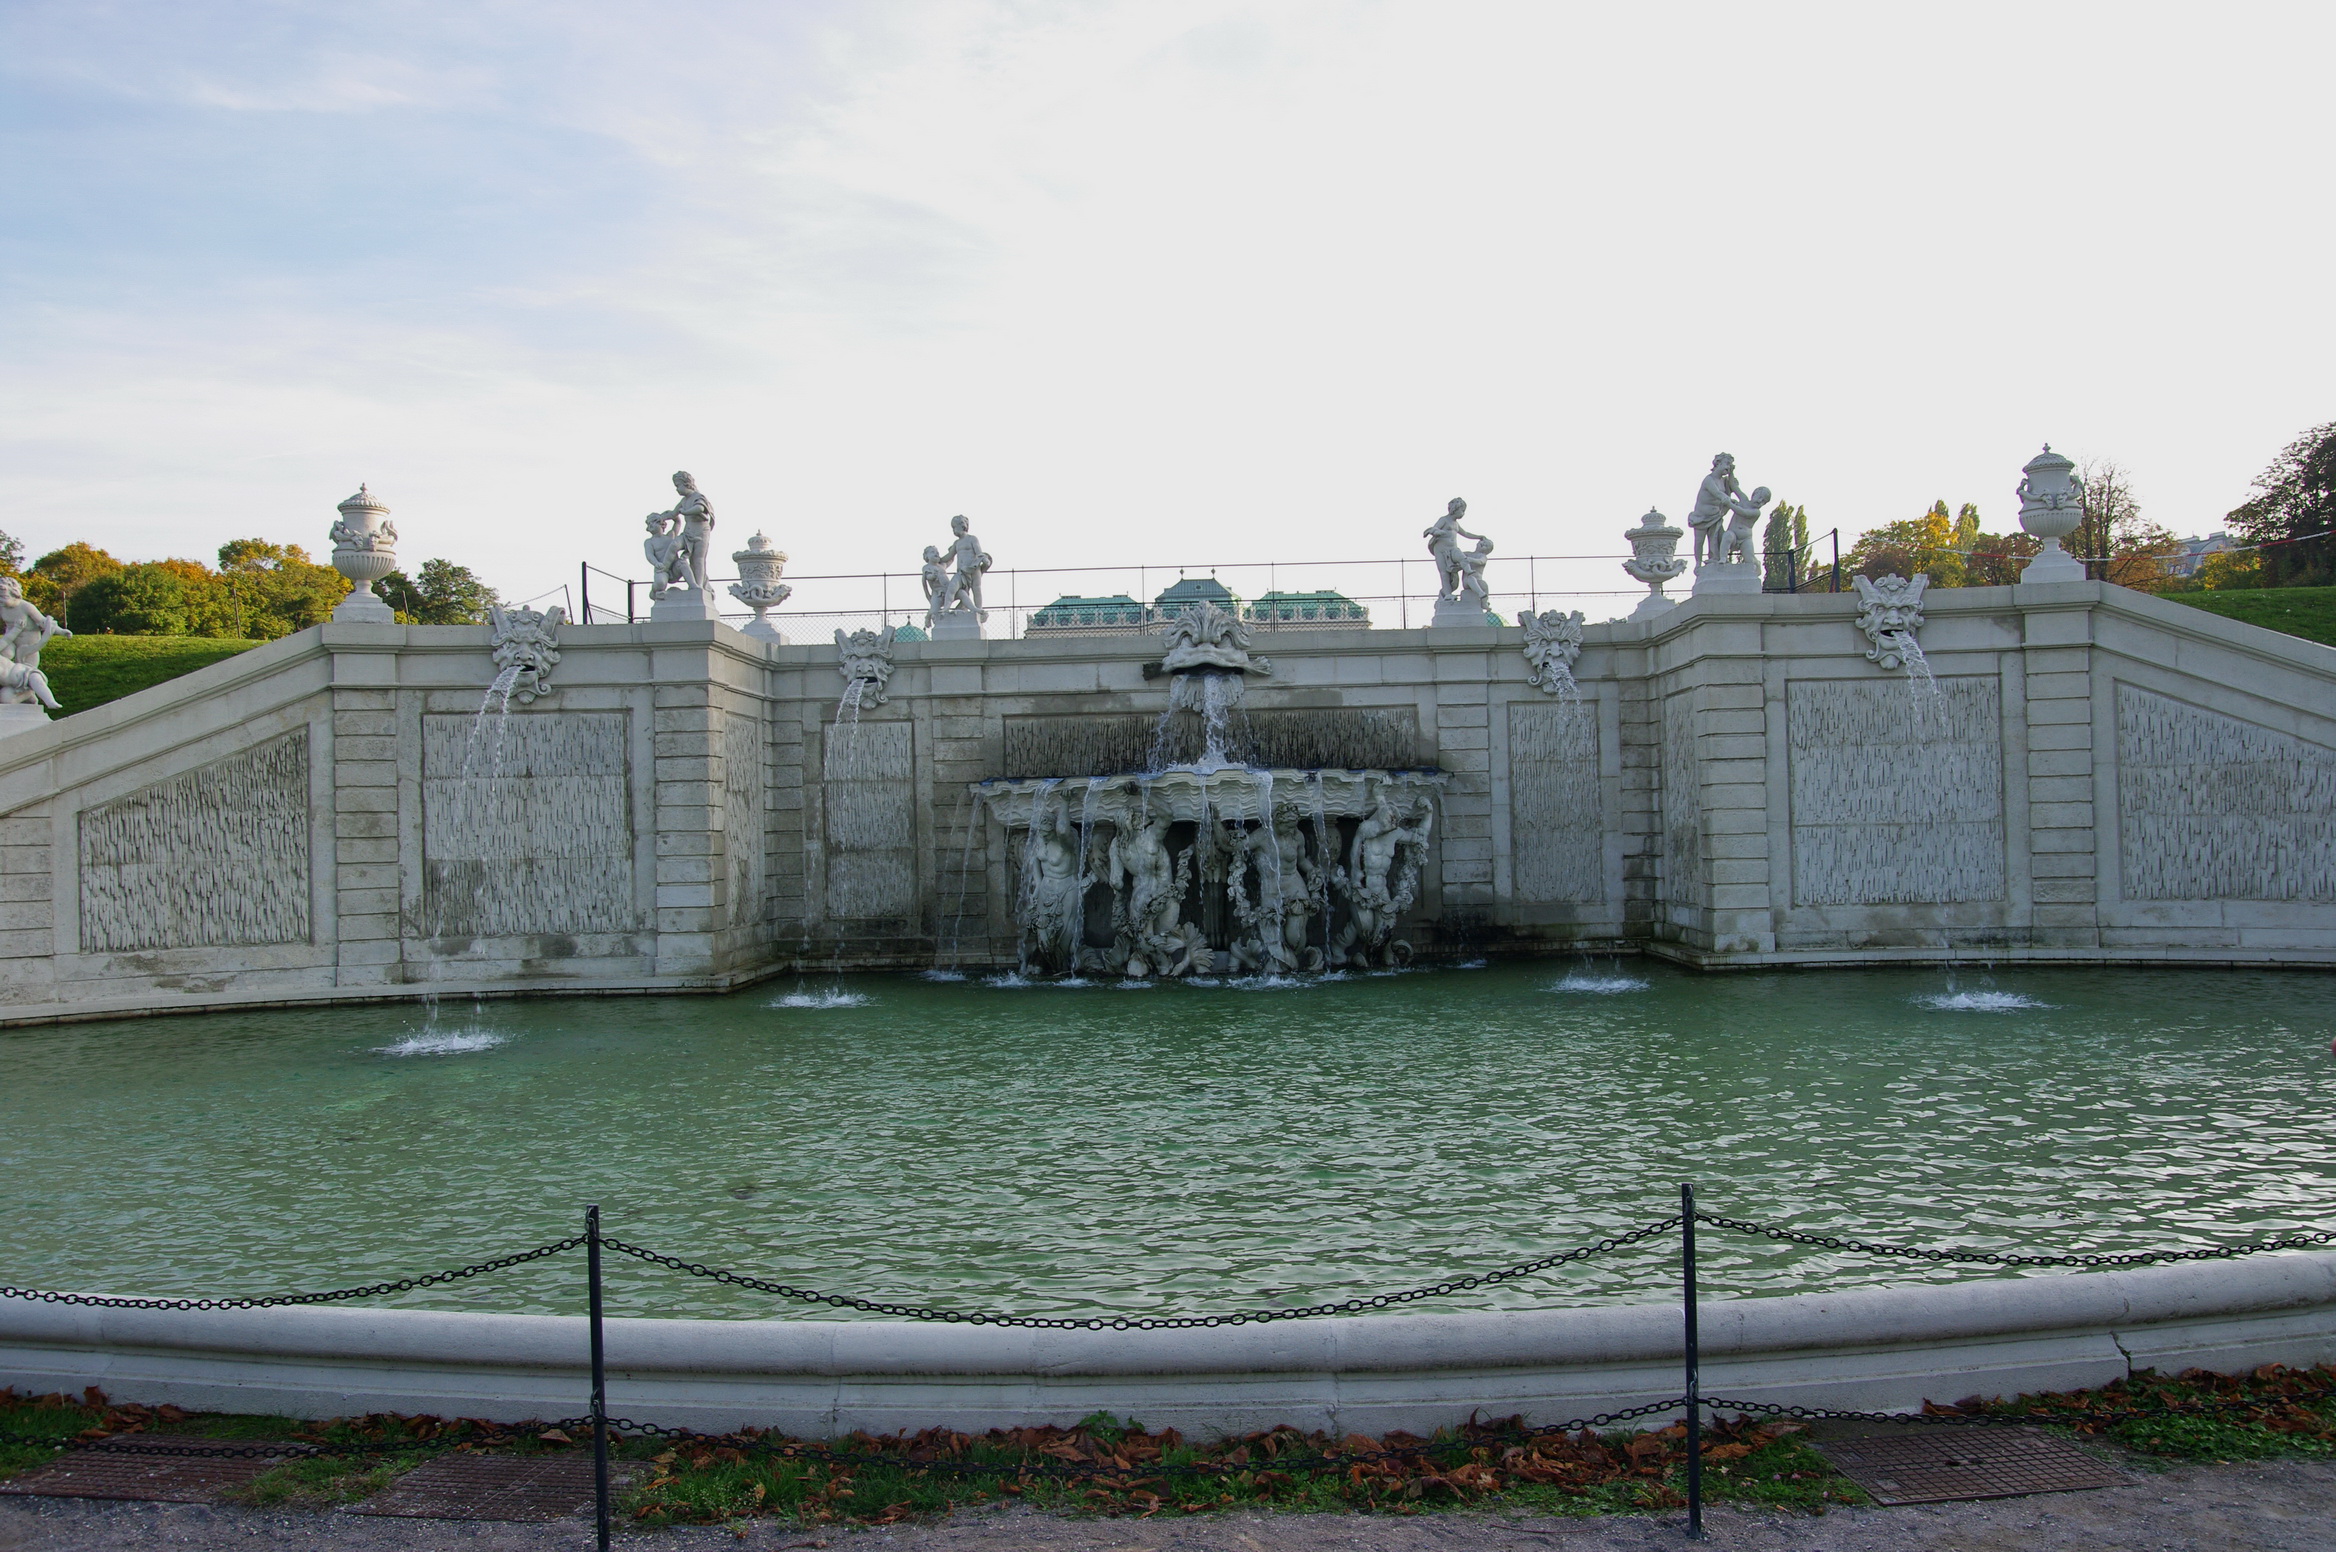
{"points": [[1473, 587], [678, 540], [1443, 537], [969, 561], [24, 630], [1723, 517], [936, 579]]}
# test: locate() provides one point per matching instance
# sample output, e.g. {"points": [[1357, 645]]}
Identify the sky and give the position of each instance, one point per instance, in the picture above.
{"points": [[1162, 284]]}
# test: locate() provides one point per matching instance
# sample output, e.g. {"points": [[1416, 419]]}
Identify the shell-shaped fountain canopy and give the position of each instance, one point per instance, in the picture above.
{"points": [[1233, 792]]}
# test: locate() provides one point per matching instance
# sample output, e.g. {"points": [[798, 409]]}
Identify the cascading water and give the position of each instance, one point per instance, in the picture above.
{"points": [[1930, 702]]}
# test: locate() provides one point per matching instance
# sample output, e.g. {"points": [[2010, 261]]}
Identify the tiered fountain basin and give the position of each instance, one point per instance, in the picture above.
{"points": [[1193, 794]]}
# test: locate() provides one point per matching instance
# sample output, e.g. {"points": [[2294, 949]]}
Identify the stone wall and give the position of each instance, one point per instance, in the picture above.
{"points": [[329, 817]]}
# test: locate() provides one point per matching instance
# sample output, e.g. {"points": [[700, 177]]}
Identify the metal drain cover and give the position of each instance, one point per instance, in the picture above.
{"points": [[197, 1470], [1928, 1464], [494, 1487]]}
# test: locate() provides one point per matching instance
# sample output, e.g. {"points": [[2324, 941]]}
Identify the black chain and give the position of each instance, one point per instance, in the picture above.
{"points": [[273, 1300], [1073, 1470], [2302, 1239], [1146, 1323]]}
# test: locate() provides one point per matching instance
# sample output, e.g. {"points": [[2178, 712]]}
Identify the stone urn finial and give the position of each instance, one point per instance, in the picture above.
{"points": [[364, 551], [2052, 504], [1654, 560], [758, 585]]}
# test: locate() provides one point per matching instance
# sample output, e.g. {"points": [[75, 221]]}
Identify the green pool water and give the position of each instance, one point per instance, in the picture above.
{"points": [[1176, 1149]]}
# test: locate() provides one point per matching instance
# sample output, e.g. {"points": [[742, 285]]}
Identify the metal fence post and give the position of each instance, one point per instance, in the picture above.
{"points": [[599, 1378], [1694, 1379]]}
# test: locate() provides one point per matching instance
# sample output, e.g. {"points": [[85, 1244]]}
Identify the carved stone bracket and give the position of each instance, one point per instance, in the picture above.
{"points": [[1890, 612]]}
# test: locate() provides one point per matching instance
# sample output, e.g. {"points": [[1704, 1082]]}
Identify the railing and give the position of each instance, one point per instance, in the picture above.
{"points": [[1691, 1400]]}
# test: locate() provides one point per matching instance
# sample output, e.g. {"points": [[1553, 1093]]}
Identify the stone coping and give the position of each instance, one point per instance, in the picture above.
{"points": [[1883, 1347]]}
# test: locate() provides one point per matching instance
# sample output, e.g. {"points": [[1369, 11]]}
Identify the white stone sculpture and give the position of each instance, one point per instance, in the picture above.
{"points": [[1553, 641], [1379, 883], [1277, 919], [1654, 560], [364, 551], [2052, 501], [526, 647], [24, 689], [677, 547], [1460, 586], [865, 658], [758, 585], [1204, 637], [1890, 612], [953, 606], [1723, 520], [1052, 913]]}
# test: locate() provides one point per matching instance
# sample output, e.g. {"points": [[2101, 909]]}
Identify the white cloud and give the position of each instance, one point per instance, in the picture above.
{"points": [[1133, 282]]}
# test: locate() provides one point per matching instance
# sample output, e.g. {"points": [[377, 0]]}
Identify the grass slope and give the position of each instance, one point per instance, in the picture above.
{"points": [[2309, 612], [88, 671]]}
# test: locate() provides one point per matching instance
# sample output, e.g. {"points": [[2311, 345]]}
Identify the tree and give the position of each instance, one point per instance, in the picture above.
{"points": [[2293, 508], [2231, 568], [58, 575], [1934, 543], [11, 555], [145, 600], [276, 588], [2112, 538], [1784, 549], [442, 594], [1996, 560]]}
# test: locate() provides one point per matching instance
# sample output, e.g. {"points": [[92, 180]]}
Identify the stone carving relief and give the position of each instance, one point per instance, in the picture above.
{"points": [[1890, 612], [216, 856], [1889, 810], [526, 646], [1553, 643], [1723, 516], [1207, 637], [2212, 807], [744, 813], [1380, 880], [538, 839], [869, 822], [1557, 820], [24, 630], [864, 658], [1683, 870]]}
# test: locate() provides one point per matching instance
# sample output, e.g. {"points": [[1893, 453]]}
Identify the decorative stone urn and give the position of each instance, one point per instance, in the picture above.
{"points": [[758, 585], [364, 551], [2051, 506], [1654, 560]]}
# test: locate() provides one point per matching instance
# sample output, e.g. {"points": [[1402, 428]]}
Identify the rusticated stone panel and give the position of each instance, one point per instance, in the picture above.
{"points": [[1557, 828], [214, 857], [743, 790], [1895, 800], [2213, 808], [527, 824], [871, 822], [1682, 797]]}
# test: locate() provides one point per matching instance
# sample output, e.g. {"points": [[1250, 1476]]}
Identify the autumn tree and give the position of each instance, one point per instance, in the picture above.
{"points": [[2116, 543], [2292, 510], [58, 575], [1934, 543]]}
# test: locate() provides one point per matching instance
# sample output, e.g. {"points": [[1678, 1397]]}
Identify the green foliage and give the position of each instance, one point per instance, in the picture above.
{"points": [[2295, 497], [11, 555], [1784, 549], [442, 594], [143, 600], [2272, 1414], [275, 589], [2309, 612], [88, 671], [2117, 544], [1934, 544], [58, 575]]}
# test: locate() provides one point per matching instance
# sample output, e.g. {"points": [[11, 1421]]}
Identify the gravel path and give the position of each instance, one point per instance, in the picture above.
{"points": [[2286, 1506]]}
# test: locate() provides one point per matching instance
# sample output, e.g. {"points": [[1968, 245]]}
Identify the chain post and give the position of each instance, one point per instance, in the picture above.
{"points": [[1694, 1363], [599, 1378]]}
